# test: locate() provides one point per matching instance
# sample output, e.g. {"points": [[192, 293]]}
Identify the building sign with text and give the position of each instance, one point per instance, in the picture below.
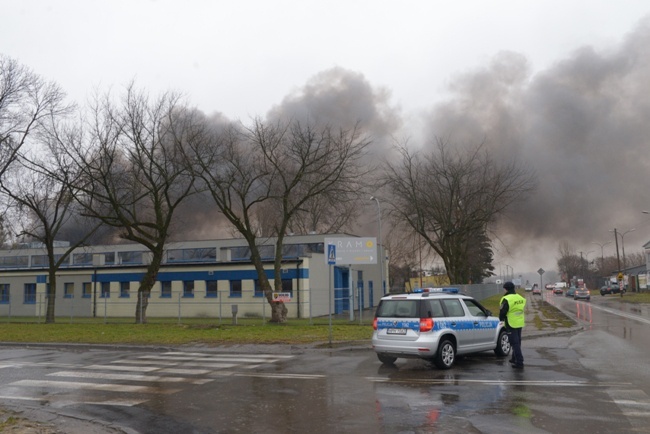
{"points": [[352, 250]]}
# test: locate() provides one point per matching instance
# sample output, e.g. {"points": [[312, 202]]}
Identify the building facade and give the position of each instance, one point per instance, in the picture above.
{"points": [[209, 278]]}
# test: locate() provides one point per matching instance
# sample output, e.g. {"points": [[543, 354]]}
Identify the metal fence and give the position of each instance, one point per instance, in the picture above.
{"points": [[220, 306]]}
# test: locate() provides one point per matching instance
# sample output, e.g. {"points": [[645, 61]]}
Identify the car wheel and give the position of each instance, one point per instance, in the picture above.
{"points": [[503, 344], [385, 359], [446, 354]]}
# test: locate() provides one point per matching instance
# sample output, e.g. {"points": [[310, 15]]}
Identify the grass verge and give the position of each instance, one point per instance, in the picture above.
{"points": [[204, 332]]}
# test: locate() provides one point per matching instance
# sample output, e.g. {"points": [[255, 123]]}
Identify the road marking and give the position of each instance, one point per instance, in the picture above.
{"points": [[185, 371], [62, 402], [270, 375], [219, 355], [163, 363], [500, 382], [211, 359], [123, 368], [128, 377], [91, 386], [171, 367]]}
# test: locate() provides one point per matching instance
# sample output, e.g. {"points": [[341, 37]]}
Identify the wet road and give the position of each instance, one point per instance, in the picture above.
{"points": [[595, 381]]}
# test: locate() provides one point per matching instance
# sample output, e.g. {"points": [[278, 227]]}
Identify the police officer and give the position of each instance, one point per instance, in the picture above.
{"points": [[512, 312]]}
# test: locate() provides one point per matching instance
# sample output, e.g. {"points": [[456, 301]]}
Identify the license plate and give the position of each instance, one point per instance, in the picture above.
{"points": [[396, 331]]}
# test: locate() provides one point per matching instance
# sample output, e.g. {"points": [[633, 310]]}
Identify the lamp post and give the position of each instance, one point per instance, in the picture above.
{"points": [[380, 250], [623, 245], [602, 256], [618, 258]]}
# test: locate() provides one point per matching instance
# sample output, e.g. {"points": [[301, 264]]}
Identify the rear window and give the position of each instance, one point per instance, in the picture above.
{"points": [[398, 309]]}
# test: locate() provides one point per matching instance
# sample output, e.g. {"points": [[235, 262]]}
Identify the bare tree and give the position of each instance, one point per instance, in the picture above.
{"points": [[46, 206], [27, 104], [133, 175], [281, 169], [452, 197], [635, 259], [569, 263]]}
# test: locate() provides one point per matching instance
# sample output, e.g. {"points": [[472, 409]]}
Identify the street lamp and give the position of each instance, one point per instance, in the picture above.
{"points": [[616, 234], [380, 251], [602, 256], [623, 245], [507, 274]]}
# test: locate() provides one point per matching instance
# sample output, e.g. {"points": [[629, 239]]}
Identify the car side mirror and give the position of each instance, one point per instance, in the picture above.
{"points": [[488, 312]]}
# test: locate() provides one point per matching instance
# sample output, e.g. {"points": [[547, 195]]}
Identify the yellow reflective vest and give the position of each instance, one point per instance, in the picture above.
{"points": [[515, 315]]}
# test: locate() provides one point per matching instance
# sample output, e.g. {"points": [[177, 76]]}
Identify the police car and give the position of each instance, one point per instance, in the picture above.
{"points": [[435, 324]]}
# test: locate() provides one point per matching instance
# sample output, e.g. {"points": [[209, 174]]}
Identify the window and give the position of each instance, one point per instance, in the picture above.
{"points": [[43, 261], [109, 258], [87, 290], [166, 289], [244, 253], [30, 293], [125, 289], [211, 288], [4, 293], [474, 308], [434, 309], [106, 290], [297, 250], [192, 255], [188, 288], [82, 259], [235, 288], [130, 257], [14, 261], [287, 286], [397, 309], [258, 289], [453, 307], [68, 290]]}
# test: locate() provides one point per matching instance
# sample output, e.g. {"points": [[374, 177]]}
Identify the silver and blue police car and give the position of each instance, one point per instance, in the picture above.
{"points": [[436, 324]]}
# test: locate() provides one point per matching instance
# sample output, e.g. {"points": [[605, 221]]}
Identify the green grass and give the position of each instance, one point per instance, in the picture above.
{"points": [[628, 297], [195, 331]]}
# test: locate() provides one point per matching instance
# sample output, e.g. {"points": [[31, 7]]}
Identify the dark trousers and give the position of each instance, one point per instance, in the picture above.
{"points": [[514, 335]]}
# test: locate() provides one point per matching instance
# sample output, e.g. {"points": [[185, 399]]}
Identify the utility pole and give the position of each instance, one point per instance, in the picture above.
{"points": [[618, 258]]}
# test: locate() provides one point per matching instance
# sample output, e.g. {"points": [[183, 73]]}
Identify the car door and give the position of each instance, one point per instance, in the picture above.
{"points": [[484, 326], [458, 321]]}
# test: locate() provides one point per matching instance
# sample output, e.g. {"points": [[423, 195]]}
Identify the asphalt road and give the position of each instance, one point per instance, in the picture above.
{"points": [[589, 379]]}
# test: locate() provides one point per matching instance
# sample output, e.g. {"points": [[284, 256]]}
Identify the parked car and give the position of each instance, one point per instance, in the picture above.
{"points": [[435, 326], [582, 294], [613, 289], [537, 290], [569, 292]]}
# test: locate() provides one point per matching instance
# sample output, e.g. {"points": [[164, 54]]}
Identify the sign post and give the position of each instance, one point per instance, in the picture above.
{"points": [[331, 260], [351, 251]]}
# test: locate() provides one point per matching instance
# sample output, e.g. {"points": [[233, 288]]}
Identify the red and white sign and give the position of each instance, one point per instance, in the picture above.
{"points": [[282, 297]]}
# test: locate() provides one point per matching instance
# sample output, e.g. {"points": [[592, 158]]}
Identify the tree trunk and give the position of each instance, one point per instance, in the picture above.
{"points": [[51, 296], [147, 283]]}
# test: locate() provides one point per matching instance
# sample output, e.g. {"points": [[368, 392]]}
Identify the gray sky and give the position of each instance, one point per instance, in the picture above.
{"points": [[542, 80]]}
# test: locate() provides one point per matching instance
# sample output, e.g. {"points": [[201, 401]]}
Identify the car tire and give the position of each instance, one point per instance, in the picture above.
{"points": [[503, 344], [445, 355], [386, 359]]}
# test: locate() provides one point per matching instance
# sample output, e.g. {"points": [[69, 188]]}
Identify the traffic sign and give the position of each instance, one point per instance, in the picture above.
{"points": [[540, 271], [331, 254]]}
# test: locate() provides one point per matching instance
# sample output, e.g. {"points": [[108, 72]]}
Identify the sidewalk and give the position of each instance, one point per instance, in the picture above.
{"points": [[544, 319]]}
